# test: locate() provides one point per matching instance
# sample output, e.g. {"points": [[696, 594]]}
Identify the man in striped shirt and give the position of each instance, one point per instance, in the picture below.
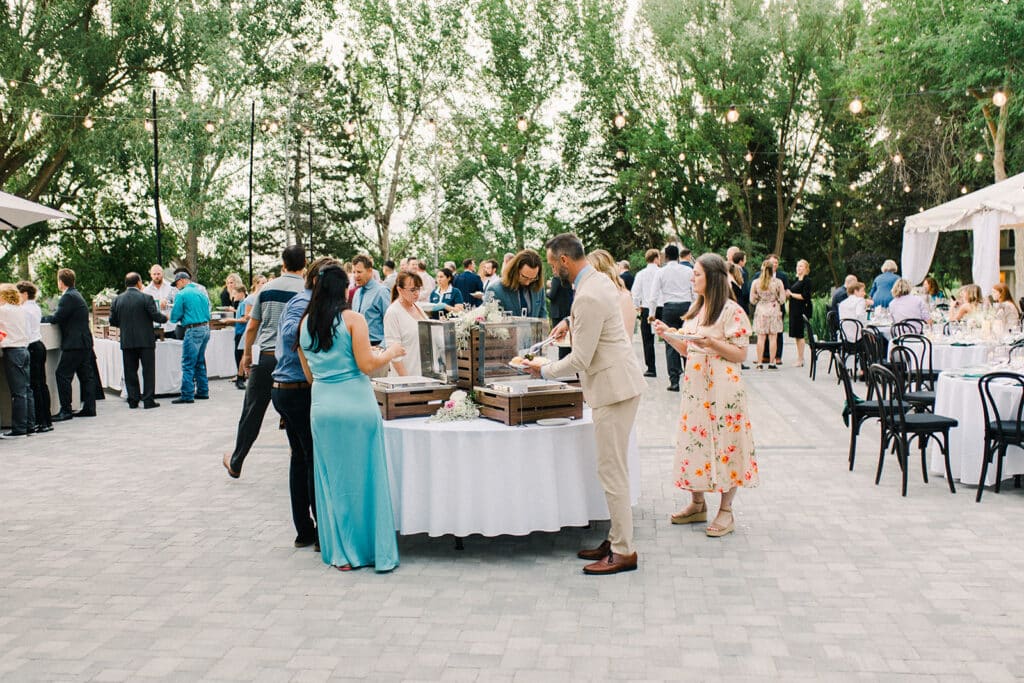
{"points": [[258, 360]]}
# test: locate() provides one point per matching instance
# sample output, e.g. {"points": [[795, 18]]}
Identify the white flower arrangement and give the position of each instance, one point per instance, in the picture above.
{"points": [[104, 297], [459, 406], [471, 318]]}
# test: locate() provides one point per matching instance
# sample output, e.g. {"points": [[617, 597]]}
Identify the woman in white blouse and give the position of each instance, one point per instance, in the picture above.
{"points": [[401, 323], [603, 262]]}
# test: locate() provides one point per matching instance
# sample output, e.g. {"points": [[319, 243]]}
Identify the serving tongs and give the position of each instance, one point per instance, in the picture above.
{"points": [[536, 348]]}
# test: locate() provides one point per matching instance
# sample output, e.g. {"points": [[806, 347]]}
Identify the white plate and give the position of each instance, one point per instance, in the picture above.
{"points": [[553, 421]]}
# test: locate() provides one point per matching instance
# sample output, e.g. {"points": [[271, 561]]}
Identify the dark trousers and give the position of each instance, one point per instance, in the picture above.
{"points": [[647, 335], [238, 353], [97, 385], [254, 408], [17, 368], [75, 362], [37, 380], [132, 359], [672, 315], [563, 351], [293, 405]]}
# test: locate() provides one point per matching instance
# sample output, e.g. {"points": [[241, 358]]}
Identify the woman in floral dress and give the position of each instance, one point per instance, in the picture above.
{"points": [[767, 294], [714, 450]]}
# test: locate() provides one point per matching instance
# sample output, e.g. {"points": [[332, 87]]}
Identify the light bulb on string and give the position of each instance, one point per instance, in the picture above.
{"points": [[853, 187], [76, 97], [88, 123], [733, 115], [839, 204], [44, 91], [37, 118], [748, 157], [221, 120], [522, 124], [272, 127], [682, 157], [148, 124], [759, 196], [979, 157], [654, 174], [906, 189], [700, 179], [750, 181], [963, 189], [504, 149], [897, 158], [620, 120], [878, 206], [209, 127], [620, 154], [349, 127], [856, 106], [999, 98], [686, 188]]}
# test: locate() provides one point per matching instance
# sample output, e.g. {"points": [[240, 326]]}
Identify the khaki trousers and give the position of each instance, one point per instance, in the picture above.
{"points": [[612, 424]]}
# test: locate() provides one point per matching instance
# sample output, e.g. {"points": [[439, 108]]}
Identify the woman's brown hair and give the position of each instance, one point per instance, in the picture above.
{"points": [[527, 257], [404, 277], [716, 290]]}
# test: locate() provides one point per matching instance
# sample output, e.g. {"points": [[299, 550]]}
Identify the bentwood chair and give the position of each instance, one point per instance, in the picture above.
{"points": [[818, 347], [901, 427], [858, 411], [916, 388], [907, 326], [922, 348], [1002, 428], [850, 331]]}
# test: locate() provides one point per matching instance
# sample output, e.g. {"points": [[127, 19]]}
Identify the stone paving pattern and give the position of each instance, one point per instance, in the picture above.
{"points": [[127, 554]]}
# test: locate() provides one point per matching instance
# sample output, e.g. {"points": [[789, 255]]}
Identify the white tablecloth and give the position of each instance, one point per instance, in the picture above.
{"points": [[220, 361], [949, 357], [958, 397], [481, 477]]}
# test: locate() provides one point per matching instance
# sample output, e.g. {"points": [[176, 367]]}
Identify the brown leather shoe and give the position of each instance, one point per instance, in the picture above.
{"points": [[613, 564], [598, 553]]}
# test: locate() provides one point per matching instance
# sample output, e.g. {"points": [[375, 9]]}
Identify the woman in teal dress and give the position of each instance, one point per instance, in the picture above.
{"points": [[353, 495]]}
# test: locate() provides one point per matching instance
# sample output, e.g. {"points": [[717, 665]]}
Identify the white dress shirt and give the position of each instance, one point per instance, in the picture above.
{"points": [[428, 286], [14, 322], [673, 282], [855, 308], [35, 316], [643, 287]]}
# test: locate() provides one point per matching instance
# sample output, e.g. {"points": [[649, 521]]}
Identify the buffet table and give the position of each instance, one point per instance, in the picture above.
{"points": [[481, 477], [957, 396], [220, 361]]}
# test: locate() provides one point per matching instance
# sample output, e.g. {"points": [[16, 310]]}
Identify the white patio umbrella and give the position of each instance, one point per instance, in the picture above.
{"points": [[16, 212]]}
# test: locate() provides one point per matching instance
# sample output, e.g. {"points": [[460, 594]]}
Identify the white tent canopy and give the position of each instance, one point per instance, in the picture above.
{"points": [[984, 212], [16, 212]]}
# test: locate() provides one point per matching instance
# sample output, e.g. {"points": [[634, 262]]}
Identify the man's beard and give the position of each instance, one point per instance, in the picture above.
{"points": [[563, 273]]}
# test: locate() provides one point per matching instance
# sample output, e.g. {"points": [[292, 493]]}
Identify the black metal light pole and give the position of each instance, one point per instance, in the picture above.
{"points": [[156, 187], [309, 185], [252, 145]]}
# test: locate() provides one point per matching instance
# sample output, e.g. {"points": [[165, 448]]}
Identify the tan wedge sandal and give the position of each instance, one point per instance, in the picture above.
{"points": [[692, 518], [717, 531]]}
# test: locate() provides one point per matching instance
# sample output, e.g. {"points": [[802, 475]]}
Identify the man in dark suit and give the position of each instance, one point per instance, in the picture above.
{"points": [[72, 317], [135, 313]]}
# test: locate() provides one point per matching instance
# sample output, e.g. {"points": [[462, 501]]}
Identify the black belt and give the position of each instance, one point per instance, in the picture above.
{"points": [[292, 385], [268, 353], [373, 343], [677, 303], [189, 327]]}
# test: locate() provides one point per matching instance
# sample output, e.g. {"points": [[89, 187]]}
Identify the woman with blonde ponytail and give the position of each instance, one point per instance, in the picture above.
{"points": [[767, 296]]}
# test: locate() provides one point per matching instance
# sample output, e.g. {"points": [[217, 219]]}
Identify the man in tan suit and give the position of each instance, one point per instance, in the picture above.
{"points": [[612, 383]]}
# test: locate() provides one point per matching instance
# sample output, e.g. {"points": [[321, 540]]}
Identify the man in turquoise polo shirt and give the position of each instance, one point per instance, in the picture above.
{"points": [[192, 311]]}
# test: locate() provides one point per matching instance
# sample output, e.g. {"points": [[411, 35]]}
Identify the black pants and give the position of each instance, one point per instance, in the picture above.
{"points": [[254, 408], [132, 359], [238, 353], [37, 377], [647, 335], [75, 362], [563, 351], [672, 315], [17, 367], [97, 385], [293, 405]]}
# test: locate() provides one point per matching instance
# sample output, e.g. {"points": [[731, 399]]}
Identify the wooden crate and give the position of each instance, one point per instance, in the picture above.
{"points": [[497, 351], [412, 402], [516, 409]]}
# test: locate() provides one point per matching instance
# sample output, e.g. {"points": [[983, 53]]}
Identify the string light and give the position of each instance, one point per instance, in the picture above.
{"points": [[88, 123], [522, 124], [209, 127], [148, 125], [963, 189], [749, 157], [682, 157], [879, 207], [620, 154], [979, 157], [856, 106], [897, 158], [44, 91], [504, 149], [654, 174], [839, 204], [349, 127], [733, 115], [272, 126], [999, 99], [906, 189], [620, 120]]}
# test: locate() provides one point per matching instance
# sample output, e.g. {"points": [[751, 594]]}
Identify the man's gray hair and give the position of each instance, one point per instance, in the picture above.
{"points": [[566, 244]]}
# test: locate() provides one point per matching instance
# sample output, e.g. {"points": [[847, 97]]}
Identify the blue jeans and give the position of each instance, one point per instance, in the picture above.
{"points": [[16, 366], [193, 362]]}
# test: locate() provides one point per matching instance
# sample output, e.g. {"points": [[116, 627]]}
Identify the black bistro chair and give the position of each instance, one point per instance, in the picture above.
{"points": [[818, 347], [1002, 429], [858, 411], [908, 326], [900, 427], [922, 348], [849, 331], [918, 390]]}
